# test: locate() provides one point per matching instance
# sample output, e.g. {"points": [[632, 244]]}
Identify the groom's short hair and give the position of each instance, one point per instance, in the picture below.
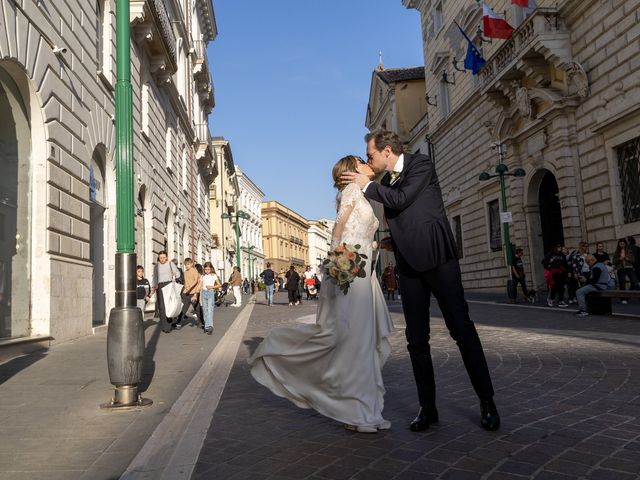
{"points": [[382, 138]]}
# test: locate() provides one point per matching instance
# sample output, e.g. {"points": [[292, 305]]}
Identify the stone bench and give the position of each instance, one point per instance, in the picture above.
{"points": [[599, 303]]}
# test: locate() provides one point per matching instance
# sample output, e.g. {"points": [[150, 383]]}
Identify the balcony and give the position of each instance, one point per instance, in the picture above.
{"points": [[296, 240], [535, 62], [151, 26], [297, 261], [202, 75]]}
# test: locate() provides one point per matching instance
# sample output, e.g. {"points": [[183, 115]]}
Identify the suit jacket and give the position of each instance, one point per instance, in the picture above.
{"points": [[414, 209]]}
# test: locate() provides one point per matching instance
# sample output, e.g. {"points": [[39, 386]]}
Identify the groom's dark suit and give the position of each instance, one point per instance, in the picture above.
{"points": [[427, 263]]}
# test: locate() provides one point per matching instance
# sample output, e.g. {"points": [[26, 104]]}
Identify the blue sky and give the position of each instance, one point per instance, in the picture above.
{"points": [[292, 82]]}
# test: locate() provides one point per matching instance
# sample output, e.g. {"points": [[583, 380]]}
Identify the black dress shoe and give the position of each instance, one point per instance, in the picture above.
{"points": [[489, 418], [426, 415]]}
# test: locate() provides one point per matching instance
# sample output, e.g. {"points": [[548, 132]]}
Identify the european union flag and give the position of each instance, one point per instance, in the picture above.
{"points": [[473, 61]]}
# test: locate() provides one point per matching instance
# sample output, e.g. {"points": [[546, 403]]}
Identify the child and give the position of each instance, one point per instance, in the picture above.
{"points": [[143, 289], [210, 283]]}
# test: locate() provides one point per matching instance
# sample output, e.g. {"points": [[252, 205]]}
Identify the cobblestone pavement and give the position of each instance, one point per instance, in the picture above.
{"points": [[567, 389]]}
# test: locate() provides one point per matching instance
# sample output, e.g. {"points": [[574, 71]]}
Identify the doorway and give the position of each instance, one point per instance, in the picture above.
{"points": [[15, 211], [97, 244], [550, 212]]}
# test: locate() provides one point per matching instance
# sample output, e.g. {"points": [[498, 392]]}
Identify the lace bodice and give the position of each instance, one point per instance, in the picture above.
{"points": [[356, 222]]}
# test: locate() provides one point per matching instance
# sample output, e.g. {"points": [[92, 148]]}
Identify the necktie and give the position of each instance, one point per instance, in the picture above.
{"points": [[394, 177]]}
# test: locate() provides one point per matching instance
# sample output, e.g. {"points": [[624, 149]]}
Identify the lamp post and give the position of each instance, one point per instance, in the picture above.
{"points": [[249, 264], [237, 215], [503, 171], [125, 333]]}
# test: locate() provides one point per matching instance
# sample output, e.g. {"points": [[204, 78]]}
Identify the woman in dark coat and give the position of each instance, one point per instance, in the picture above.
{"points": [[293, 282]]}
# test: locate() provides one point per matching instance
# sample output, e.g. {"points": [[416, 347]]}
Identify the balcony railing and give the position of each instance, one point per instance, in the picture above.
{"points": [[541, 38], [297, 261]]}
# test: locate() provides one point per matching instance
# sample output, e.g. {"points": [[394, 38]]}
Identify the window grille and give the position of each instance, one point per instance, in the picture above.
{"points": [[629, 170]]}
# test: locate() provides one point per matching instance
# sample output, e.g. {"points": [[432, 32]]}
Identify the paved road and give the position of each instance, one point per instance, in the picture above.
{"points": [[567, 389], [51, 424]]}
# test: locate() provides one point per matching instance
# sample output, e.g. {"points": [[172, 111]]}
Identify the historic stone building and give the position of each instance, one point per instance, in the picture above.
{"points": [[250, 202], [57, 188], [284, 237], [319, 237], [223, 196], [396, 103], [560, 97]]}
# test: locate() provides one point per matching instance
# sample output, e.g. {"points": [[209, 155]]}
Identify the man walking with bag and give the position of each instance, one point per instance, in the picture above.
{"points": [[236, 282]]}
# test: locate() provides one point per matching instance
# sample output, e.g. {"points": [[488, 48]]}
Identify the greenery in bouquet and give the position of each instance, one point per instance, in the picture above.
{"points": [[344, 265]]}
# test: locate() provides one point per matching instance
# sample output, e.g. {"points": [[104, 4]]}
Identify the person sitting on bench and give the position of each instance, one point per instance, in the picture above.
{"points": [[598, 280]]}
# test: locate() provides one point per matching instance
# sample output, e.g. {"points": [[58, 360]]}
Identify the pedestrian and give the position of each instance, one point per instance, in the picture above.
{"points": [[517, 274], [143, 289], [268, 276], [578, 270], [200, 313], [293, 284], [635, 250], [427, 259], [245, 286], [190, 291], [253, 286], [598, 280], [555, 271], [164, 272], [601, 255], [308, 281], [390, 281], [209, 286], [236, 283], [624, 263]]}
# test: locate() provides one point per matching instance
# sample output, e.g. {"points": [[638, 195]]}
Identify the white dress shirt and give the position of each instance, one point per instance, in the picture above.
{"points": [[397, 168]]}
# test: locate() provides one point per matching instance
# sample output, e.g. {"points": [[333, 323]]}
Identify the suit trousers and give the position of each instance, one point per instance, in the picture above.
{"points": [[445, 283]]}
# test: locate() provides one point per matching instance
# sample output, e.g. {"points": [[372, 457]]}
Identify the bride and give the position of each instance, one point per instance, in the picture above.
{"points": [[334, 365]]}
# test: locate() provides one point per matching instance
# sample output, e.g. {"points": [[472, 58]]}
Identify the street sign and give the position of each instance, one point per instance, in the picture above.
{"points": [[506, 217]]}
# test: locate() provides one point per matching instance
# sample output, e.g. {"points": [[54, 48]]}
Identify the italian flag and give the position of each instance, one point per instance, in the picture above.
{"points": [[494, 25], [530, 4]]}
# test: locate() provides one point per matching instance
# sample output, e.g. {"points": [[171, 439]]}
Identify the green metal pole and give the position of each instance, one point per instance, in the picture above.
{"points": [[238, 241], [505, 225], [125, 332], [124, 133]]}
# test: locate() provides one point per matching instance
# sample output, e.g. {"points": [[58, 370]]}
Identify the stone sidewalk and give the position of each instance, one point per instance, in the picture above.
{"points": [[568, 390], [51, 424]]}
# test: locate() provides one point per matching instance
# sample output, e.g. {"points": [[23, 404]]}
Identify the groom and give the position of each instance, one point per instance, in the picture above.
{"points": [[428, 264]]}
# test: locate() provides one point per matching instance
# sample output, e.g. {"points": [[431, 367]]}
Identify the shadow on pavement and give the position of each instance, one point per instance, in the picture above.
{"points": [[149, 367], [252, 344], [16, 365]]}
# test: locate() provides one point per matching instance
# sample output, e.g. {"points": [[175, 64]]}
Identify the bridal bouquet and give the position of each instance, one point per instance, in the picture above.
{"points": [[344, 265]]}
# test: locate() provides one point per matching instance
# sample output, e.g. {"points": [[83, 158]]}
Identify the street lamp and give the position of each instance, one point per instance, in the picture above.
{"points": [[125, 332], [249, 260], [237, 215], [503, 171]]}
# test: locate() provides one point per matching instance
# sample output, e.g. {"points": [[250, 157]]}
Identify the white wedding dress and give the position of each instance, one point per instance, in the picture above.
{"points": [[334, 365]]}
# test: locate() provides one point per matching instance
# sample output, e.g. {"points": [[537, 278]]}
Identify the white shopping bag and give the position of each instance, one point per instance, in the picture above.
{"points": [[172, 300]]}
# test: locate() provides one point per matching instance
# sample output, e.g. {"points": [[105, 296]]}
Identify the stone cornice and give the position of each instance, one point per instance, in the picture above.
{"points": [[207, 19], [151, 26]]}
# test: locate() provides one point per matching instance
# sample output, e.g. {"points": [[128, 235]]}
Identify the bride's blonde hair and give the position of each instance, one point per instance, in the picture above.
{"points": [[345, 164]]}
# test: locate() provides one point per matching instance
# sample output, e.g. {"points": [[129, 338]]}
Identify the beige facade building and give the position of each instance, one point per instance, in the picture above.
{"points": [[223, 198], [284, 237], [560, 96], [57, 188]]}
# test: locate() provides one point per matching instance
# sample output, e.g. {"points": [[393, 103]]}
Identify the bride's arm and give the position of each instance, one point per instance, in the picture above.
{"points": [[347, 204]]}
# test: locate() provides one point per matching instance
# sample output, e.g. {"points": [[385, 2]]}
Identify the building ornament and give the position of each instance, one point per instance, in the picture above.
{"points": [[577, 77], [522, 100]]}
